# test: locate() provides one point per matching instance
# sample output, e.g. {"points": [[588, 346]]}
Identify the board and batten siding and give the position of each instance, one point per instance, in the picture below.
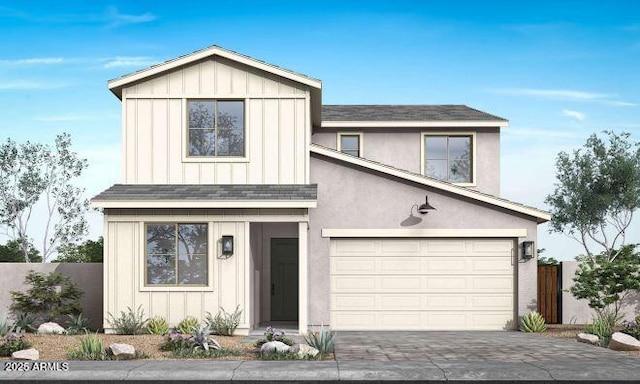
{"points": [[277, 123], [124, 275]]}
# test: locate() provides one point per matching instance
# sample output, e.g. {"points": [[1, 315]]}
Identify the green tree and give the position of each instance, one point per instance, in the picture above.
{"points": [[604, 282], [50, 296], [597, 193], [11, 252], [88, 252], [32, 173], [546, 260]]}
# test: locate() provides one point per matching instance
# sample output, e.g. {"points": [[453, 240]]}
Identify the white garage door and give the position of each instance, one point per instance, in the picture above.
{"points": [[422, 284]]}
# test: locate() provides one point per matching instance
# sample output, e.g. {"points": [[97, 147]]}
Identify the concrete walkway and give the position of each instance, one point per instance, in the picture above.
{"points": [[394, 356]]}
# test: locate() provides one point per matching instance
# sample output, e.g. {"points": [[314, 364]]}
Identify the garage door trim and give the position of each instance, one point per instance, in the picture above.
{"points": [[462, 233]]}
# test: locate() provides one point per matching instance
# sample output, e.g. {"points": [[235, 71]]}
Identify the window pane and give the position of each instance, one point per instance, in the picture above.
{"points": [[352, 153], [161, 265], [201, 114], [459, 148], [435, 147], [436, 169], [349, 142], [201, 142], [192, 254], [230, 128], [460, 171]]}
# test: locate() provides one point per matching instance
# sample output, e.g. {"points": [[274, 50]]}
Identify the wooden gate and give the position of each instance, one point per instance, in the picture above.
{"points": [[550, 293]]}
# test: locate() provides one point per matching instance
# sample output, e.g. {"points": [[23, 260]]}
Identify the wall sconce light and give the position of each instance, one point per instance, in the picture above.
{"points": [[426, 207], [527, 250], [227, 245]]}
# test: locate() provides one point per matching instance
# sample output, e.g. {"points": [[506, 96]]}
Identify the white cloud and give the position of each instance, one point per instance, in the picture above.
{"points": [[566, 94], [117, 19], [28, 85], [580, 116], [33, 61], [128, 61]]}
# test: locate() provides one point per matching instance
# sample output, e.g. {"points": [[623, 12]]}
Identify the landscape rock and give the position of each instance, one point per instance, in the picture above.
{"points": [[623, 342], [26, 354], [50, 328], [587, 338], [271, 347], [304, 350], [123, 351]]}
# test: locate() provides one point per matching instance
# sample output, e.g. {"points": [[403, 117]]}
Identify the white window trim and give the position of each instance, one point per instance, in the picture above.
{"points": [[212, 159], [339, 141], [474, 151], [142, 259]]}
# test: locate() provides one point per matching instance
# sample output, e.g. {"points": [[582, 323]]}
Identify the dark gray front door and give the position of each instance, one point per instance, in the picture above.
{"points": [[284, 279]]}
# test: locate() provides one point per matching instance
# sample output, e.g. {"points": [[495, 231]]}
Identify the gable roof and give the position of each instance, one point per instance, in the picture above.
{"points": [[116, 85], [407, 115], [540, 215], [207, 196]]}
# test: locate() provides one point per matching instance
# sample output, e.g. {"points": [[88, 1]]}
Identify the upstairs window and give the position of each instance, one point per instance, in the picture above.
{"points": [[350, 143], [216, 128], [449, 157]]}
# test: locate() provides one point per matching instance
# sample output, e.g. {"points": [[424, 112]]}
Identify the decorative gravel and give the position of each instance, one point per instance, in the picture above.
{"points": [[569, 331], [55, 347]]}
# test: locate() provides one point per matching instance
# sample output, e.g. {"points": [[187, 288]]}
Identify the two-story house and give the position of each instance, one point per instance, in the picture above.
{"points": [[240, 189]]}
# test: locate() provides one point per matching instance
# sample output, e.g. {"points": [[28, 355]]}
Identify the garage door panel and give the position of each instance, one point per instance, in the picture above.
{"points": [[400, 247], [413, 284]]}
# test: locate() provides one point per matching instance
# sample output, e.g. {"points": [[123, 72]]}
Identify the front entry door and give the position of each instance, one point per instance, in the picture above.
{"points": [[284, 279]]}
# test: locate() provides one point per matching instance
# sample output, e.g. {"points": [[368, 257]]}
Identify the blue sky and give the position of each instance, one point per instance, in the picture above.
{"points": [[558, 70]]}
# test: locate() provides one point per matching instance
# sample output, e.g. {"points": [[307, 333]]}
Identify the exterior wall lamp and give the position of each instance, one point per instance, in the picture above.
{"points": [[227, 246], [426, 207], [528, 249]]}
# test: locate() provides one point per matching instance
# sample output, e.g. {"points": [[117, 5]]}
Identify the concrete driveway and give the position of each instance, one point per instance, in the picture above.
{"points": [[470, 346]]}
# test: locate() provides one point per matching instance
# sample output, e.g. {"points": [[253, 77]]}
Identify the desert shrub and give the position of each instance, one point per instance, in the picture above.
{"points": [[274, 334], [77, 324], [224, 323], [603, 326], [188, 325], [90, 348], [158, 326], [5, 325], [23, 322], [632, 328], [12, 342], [322, 340], [533, 322], [199, 344], [129, 323], [49, 297]]}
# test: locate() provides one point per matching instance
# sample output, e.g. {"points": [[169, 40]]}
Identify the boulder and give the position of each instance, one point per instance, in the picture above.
{"points": [[304, 350], [271, 347], [587, 338], [26, 354], [122, 351], [51, 328], [623, 342]]}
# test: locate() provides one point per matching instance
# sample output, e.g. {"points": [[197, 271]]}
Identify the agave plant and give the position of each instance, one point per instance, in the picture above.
{"points": [[201, 338], [77, 324], [158, 326], [533, 322], [321, 340], [188, 325]]}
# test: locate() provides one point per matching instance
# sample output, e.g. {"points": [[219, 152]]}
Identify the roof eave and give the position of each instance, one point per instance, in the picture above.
{"points": [[415, 124], [200, 204]]}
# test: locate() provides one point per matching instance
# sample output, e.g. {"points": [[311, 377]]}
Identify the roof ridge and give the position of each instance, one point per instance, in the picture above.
{"points": [[430, 179]]}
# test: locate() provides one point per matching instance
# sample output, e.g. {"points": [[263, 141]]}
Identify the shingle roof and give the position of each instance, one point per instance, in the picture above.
{"points": [[405, 113], [207, 192]]}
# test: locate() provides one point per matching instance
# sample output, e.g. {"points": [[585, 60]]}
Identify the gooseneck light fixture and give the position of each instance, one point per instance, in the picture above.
{"points": [[426, 207]]}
